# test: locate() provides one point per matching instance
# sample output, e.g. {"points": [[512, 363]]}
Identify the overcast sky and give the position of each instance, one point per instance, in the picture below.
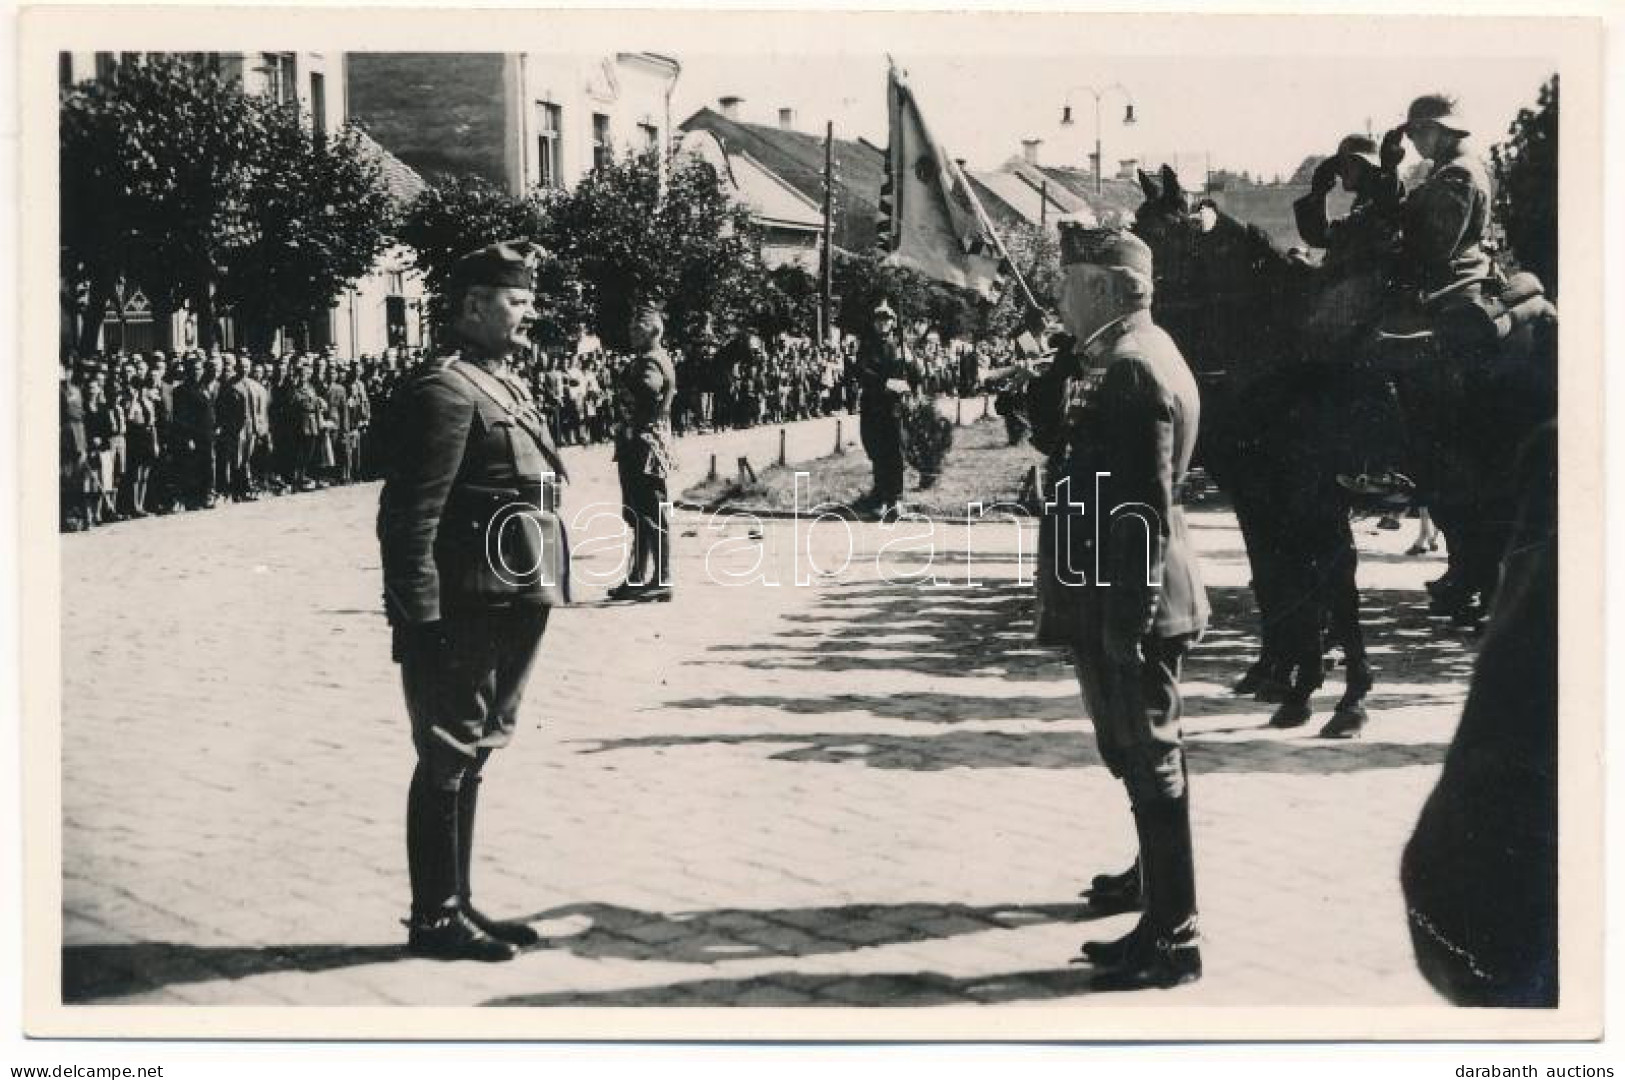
{"points": [[1260, 113]]}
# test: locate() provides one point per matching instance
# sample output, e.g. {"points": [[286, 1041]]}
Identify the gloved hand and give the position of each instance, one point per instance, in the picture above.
{"points": [[1325, 176], [1392, 151]]}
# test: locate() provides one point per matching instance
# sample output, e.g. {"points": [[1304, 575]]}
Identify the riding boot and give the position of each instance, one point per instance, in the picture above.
{"points": [[513, 933], [1165, 953], [1115, 953], [439, 927], [1113, 894]]}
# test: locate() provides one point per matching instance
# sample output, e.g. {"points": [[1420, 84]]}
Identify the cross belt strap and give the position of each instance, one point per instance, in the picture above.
{"points": [[525, 421]]}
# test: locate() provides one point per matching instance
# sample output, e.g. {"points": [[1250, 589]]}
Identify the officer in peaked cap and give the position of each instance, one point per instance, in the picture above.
{"points": [[644, 458], [473, 559], [885, 374], [1120, 410]]}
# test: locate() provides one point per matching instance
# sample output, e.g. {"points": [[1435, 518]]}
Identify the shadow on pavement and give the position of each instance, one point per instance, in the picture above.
{"points": [[103, 971], [792, 988], [728, 934], [1297, 754]]}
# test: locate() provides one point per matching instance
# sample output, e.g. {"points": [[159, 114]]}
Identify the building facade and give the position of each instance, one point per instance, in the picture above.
{"points": [[387, 307], [517, 120]]}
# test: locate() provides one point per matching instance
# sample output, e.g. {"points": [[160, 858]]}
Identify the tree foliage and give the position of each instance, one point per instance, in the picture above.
{"points": [[317, 220], [454, 216], [863, 280], [1526, 186], [628, 233], [172, 177]]}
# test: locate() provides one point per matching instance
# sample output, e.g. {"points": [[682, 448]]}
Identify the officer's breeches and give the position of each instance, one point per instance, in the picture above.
{"points": [[463, 696], [1136, 711]]}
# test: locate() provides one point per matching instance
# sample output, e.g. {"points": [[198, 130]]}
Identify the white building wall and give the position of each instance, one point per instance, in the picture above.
{"points": [[629, 89]]}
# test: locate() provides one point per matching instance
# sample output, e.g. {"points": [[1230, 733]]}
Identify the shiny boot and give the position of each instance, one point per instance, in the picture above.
{"points": [[510, 932]]}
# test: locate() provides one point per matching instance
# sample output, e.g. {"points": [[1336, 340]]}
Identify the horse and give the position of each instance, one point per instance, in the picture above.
{"points": [[1278, 426]]}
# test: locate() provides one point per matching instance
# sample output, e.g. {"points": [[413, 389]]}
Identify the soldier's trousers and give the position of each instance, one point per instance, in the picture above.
{"points": [[1136, 710], [645, 510], [882, 435], [463, 693]]}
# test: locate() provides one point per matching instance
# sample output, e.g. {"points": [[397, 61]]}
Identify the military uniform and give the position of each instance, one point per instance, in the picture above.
{"points": [[1461, 460], [474, 558], [883, 360], [644, 459], [1120, 587]]}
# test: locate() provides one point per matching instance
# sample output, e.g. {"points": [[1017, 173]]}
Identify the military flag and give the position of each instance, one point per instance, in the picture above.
{"points": [[930, 218]]}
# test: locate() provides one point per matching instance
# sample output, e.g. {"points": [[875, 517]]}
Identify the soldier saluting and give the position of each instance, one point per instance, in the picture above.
{"points": [[1118, 416], [473, 558]]}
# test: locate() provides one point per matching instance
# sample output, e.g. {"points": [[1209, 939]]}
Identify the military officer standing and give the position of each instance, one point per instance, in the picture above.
{"points": [[885, 374], [643, 458], [473, 558], [1121, 589]]}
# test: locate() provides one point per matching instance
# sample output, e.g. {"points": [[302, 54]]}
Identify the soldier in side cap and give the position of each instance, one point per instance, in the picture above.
{"points": [[886, 372], [644, 458], [473, 559], [1120, 588]]}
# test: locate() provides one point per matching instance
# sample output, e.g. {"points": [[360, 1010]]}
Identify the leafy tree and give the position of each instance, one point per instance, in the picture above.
{"points": [[174, 179], [317, 217], [454, 216], [627, 233], [786, 303], [153, 166], [1526, 186]]}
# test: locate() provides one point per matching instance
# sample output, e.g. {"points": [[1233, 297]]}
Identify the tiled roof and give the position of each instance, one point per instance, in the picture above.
{"points": [[401, 179], [797, 158]]}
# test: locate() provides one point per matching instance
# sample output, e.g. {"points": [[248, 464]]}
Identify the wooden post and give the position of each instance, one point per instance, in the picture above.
{"points": [[959, 412], [712, 475], [840, 443], [784, 435], [987, 406]]}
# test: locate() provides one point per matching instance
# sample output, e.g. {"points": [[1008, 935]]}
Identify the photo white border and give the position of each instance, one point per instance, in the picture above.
{"points": [[1574, 44]]}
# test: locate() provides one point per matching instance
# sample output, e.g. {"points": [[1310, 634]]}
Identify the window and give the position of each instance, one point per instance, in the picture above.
{"points": [[105, 65], [549, 120], [64, 68], [651, 136], [279, 69], [603, 152], [318, 104]]}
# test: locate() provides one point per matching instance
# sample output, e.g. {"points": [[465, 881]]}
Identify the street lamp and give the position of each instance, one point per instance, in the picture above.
{"points": [[1098, 95]]}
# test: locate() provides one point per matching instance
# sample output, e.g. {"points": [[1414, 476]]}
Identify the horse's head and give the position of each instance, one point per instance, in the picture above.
{"points": [[1164, 222]]}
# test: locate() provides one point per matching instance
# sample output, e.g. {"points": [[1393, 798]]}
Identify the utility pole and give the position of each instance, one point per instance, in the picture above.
{"points": [[1043, 205], [826, 277]]}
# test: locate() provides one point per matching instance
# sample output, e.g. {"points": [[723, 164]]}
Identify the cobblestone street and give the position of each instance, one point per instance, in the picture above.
{"points": [[865, 791]]}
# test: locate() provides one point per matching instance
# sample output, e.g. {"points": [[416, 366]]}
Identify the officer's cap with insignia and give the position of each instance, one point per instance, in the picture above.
{"points": [[510, 264], [649, 308], [1110, 245], [884, 310]]}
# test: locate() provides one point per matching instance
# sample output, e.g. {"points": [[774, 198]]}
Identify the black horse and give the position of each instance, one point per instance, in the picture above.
{"points": [[1278, 426]]}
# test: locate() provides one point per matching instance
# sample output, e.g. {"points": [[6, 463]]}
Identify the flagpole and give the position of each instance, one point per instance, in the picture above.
{"points": [[1005, 261]]}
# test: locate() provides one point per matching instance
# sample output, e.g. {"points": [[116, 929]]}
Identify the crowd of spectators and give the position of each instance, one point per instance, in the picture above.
{"points": [[153, 434]]}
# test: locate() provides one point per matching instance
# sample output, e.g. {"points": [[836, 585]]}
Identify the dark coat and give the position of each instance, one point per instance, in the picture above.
{"points": [[1131, 412], [466, 446]]}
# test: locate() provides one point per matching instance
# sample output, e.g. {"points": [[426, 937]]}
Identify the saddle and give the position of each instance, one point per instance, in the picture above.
{"points": [[1463, 314]]}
